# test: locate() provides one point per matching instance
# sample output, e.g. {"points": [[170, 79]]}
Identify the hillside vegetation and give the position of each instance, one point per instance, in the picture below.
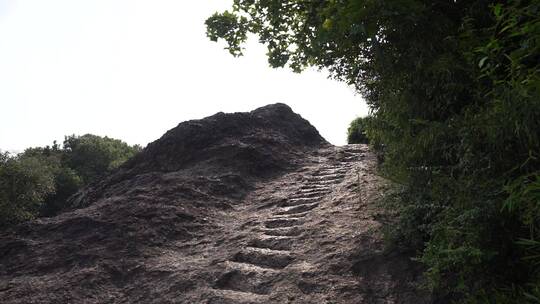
{"points": [[454, 92], [39, 181], [357, 131]]}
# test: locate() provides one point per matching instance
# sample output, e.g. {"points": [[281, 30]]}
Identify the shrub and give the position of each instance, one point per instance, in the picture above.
{"points": [[39, 181], [92, 156], [356, 133], [24, 184]]}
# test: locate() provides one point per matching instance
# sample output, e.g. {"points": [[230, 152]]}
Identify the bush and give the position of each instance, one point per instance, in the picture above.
{"points": [[67, 182], [25, 181], [39, 181], [356, 133], [93, 156]]}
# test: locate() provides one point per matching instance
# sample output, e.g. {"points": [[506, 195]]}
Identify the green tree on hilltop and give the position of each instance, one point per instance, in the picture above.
{"points": [[92, 156], [25, 182], [39, 181]]}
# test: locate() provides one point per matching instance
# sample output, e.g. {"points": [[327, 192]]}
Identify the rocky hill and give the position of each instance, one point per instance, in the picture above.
{"points": [[235, 208]]}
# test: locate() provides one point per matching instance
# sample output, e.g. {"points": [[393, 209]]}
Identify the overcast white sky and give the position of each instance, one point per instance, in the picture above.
{"points": [[133, 69]]}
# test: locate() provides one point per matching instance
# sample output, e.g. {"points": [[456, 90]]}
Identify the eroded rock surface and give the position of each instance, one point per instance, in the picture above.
{"points": [[234, 208]]}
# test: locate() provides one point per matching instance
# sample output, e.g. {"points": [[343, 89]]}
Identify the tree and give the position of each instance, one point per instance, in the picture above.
{"points": [[67, 182], [92, 156], [39, 181], [24, 183], [356, 133]]}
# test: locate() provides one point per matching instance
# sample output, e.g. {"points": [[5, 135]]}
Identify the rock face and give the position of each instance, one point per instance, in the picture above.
{"points": [[236, 147], [234, 208]]}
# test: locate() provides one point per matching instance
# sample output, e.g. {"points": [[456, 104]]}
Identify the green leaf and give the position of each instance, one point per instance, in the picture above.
{"points": [[482, 61], [497, 9]]}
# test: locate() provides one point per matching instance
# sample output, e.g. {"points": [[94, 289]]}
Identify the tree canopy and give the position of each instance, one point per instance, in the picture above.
{"points": [[24, 183], [91, 156], [356, 133], [39, 181]]}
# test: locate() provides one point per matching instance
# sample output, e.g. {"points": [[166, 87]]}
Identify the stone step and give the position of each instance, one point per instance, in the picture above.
{"points": [[246, 267], [221, 296], [278, 216], [332, 165], [284, 231], [312, 186], [352, 158], [351, 151], [298, 209], [266, 258], [301, 201], [362, 147], [332, 170], [310, 194], [321, 177], [322, 190], [272, 242], [245, 281], [282, 222], [323, 183]]}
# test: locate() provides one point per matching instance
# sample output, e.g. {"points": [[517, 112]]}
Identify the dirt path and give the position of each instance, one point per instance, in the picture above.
{"points": [[312, 237]]}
